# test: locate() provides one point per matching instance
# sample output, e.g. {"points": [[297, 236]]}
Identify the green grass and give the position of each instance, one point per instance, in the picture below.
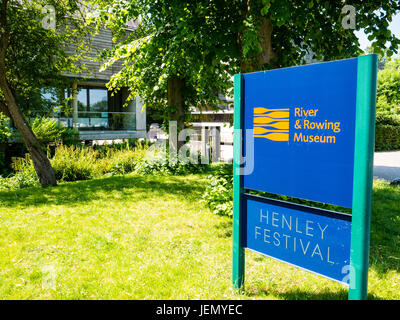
{"points": [[150, 237]]}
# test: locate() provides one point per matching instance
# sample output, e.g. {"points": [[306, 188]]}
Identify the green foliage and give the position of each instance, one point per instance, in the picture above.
{"points": [[387, 131], [388, 87], [219, 192], [205, 42], [157, 161], [387, 118], [387, 138], [5, 130], [75, 162], [25, 175], [47, 130], [37, 57], [174, 38], [70, 136]]}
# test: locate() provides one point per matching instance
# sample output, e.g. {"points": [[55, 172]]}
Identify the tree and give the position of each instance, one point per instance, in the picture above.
{"points": [[388, 87], [33, 40], [178, 56], [184, 52], [281, 33]]}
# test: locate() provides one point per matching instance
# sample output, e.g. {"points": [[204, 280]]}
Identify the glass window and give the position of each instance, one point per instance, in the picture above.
{"points": [[82, 99], [92, 108], [98, 100]]}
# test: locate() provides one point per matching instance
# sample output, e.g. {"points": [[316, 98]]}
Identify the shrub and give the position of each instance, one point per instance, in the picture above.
{"points": [[72, 163], [387, 118], [387, 137], [70, 136], [387, 131], [47, 130], [388, 83], [25, 175], [157, 161], [122, 162], [219, 195]]}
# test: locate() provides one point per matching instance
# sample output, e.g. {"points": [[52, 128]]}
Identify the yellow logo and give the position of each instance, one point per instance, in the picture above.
{"points": [[272, 124]]}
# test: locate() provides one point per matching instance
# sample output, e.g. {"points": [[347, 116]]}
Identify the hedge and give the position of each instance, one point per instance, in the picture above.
{"points": [[387, 131], [387, 137]]}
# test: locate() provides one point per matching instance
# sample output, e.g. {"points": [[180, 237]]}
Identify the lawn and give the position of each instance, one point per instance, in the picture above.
{"points": [[150, 237]]}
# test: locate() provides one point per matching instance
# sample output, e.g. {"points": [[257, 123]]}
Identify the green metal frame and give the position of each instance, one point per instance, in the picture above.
{"points": [[238, 258], [363, 175]]}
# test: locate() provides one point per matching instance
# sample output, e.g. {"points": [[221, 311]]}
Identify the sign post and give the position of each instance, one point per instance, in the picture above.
{"points": [[313, 133], [362, 183], [238, 250]]}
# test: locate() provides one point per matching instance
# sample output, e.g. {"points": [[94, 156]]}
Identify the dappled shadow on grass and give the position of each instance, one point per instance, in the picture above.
{"points": [[298, 294], [124, 187], [224, 228], [385, 229]]}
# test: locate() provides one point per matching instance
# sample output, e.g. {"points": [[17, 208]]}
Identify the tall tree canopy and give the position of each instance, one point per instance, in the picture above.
{"points": [[33, 54], [184, 52], [178, 55]]}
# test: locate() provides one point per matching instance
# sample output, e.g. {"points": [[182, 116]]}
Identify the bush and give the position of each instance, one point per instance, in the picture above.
{"points": [[219, 192], [70, 136], [387, 137], [47, 130], [25, 175], [387, 118], [157, 161], [72, 163], [388, 83], [387, 131]]}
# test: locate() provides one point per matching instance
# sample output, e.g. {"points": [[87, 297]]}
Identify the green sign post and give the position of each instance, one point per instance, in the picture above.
{"points": [[361, 129], [363, 175], [238, 249]]}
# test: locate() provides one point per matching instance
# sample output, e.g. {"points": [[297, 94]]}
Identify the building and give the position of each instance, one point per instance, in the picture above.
{"points": [[97, 113], [214, 131]]}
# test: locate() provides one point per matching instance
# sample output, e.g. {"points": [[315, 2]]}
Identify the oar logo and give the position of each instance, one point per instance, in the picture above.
{"points": [[272, 124]]}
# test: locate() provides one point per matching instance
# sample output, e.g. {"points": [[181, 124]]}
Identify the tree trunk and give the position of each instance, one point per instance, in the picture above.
{"points": [[267, 54], [40, 161], [176, 100], [176, 105]]}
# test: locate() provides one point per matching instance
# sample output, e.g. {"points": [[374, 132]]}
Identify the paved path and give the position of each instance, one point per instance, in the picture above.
{"points": [[387, 165]]}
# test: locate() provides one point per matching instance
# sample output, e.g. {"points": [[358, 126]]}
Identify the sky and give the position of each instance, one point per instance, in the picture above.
{"points": [[394, 26]]}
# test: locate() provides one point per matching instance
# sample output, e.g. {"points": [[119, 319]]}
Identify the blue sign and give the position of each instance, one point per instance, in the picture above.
{"points": [[313, 239], [306, 132], [303, 122]]}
